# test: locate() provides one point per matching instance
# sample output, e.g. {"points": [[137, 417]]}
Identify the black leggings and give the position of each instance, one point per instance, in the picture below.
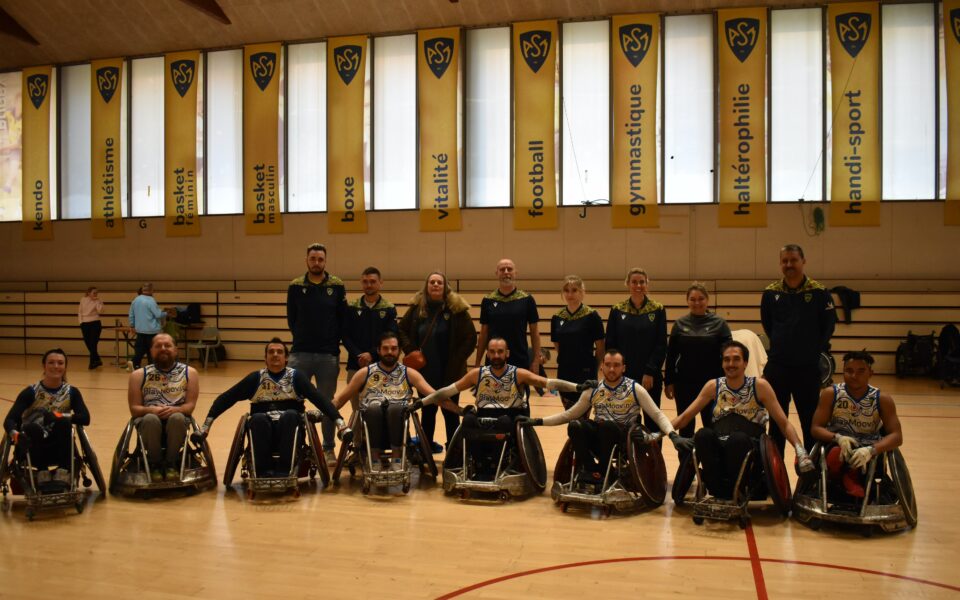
{"points": [[384, 419], [451, 420], [593, 442], [50, 447], [803, 384], [270, 435], [685, 392], [480, 430], [720, 459], [91, 338]]}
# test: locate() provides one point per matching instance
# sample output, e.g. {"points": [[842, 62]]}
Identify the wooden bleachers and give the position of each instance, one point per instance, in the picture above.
{"points": [[35, 316]]}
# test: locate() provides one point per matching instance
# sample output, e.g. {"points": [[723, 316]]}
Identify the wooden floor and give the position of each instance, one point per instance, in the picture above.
{"points": [[338, 543]]}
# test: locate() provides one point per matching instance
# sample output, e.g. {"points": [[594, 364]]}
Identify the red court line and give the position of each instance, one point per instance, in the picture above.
{"points": [[7, 400], [588, 563], [755, 564]]}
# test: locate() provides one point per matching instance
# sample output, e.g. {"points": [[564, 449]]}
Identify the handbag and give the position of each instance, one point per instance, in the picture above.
{"points": [[416, 360]]}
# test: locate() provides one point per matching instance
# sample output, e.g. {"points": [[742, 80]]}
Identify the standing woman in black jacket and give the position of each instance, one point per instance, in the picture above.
{"points": [[577, 332], [694, 354], [637, 327]]}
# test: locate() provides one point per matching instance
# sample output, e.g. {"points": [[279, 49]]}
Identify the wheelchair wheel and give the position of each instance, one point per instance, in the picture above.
{"points": [[531, 457], [90, 459], [902, 483], [316, 453], [648, 473], [453, 459], [682, 481], [118, 456], [775, 474], [561, 471], [427, 464], [344, 452], [236, 452], [5, 447]]}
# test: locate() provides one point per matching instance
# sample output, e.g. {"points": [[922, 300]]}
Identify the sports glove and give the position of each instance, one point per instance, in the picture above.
{"points": [[860, 457], [524, 421], [468, 410], [314, 416], [847, 444], [589, 384], [803, 459], [681, 444]]}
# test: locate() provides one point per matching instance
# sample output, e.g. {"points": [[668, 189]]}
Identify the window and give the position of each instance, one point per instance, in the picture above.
{"points": [[224, 132], [395, 122], [146, 136], [307, 116], [11, 144], [488, 155]]}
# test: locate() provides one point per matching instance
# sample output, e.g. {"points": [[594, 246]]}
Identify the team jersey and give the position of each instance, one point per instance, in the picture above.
{"points": [[391, 386], [500, 392], [45, 399], [619, 404], [742, 401], [164, 388], [856, 417]]}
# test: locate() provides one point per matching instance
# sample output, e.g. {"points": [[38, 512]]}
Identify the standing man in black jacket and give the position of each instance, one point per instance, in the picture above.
{"points": [[798, 316], [368, 317], [316, 309]]}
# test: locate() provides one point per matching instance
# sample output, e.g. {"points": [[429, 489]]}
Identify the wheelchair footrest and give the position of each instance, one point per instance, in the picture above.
{"points": [[272, 484], [719, 509]]}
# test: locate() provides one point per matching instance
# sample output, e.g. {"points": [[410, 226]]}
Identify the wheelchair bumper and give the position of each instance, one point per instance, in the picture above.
{"points": [[889, 517]]}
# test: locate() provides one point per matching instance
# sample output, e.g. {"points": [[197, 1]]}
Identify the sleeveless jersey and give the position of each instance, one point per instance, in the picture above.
{"points": [[499, 392], [859, 418], [619, 404], [741, 401], [391, 386], [164, 388], [47, 400]]}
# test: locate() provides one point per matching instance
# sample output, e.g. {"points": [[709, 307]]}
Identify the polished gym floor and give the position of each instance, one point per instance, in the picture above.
{"points": [[339, 543]]}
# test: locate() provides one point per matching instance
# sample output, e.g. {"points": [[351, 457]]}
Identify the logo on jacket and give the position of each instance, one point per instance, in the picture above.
{"points": [[534, 47], [438, 53], [262, 67], [635, 41]]}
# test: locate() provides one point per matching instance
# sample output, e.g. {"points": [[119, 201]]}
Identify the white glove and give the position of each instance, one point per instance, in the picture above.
{"points": [[861, 457], [847, 444], [803, 459]]}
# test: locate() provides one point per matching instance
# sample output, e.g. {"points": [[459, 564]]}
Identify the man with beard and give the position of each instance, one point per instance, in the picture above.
{"points": [[508, 312], [384, 389], [501, 390], [617, 403], [161, 396], [798, 317], [742, 407], [316, 309], [276, 396]]}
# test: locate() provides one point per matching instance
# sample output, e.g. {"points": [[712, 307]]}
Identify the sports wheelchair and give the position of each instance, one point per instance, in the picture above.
{"points": [[357, 455], [20, 477], [130, 472], [306, 460], [889, 502], [635, 476], [517, 470], [762, 475]]}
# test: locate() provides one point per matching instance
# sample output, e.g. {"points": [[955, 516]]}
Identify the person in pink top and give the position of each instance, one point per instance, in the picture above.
{"points": [[90, 325]]}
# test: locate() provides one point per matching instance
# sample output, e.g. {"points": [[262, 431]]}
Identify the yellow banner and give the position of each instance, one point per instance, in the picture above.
{"points": [[742, 59], [346, 67], [438, 64], [105, 197], [35, 112], [261, 149], [855, 181], [534, 81], [180, 183], [951, 44], [634, 59]]}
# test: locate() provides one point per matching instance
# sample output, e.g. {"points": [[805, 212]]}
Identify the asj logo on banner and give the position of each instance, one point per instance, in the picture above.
{"points": [[347, 61], [955, 23], [742, 35], [37, 86], [181, 74], [438, 53], [534, 47], [635, 41], [108, 80], [853, 29], [262, 67]]}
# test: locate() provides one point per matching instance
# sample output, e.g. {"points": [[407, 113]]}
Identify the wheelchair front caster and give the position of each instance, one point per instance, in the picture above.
{"points": [[87, 482], [698, 520], [313, 473], [464, 494], [79, 507], [406, 487], [815, 524], [606, 512], [365, 488], [504, 496], [564, 506], [296, 492], [30, 514], [251, 494], [742, 522]]}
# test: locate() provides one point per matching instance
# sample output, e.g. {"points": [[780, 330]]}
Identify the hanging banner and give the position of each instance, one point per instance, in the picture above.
{"points": [[346, 68], [951, 44], [438, 60], [634, 59], [180, 144], [35, 182], [855, 190], [261, 145], [105, 94], [742, 59], [534, 102]]}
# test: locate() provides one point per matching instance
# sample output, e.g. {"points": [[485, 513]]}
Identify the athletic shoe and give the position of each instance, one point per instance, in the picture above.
{"points": [[43, 476], [437, 448], [129, 366], [330, 457], [156, 476], [396, 465], [62, 475], [172, 475]]}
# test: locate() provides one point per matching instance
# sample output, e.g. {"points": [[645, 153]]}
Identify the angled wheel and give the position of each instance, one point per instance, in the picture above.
{"points": [[453, 459], [902, 483], [561, 471], [119, 454], [648, 473], [344, 451], [427, 464], [686, 472], [236, 451], [90, 459], [531, 456], [316, 453], [5, 448], [775, 474]]}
